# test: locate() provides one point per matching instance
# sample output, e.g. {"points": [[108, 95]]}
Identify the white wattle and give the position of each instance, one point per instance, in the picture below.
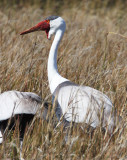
{"points": [[54, 77]]}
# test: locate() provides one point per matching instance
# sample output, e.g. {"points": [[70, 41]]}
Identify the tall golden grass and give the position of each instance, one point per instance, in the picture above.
{"points": [[88, 55]]}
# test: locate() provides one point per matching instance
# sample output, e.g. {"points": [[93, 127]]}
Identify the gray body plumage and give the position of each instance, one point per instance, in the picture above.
{"points": [[21, 106], [15, 102], [83, 104]]}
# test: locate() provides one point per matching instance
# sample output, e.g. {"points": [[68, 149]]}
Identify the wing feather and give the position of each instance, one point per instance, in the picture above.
{"points": [[15, 102]]}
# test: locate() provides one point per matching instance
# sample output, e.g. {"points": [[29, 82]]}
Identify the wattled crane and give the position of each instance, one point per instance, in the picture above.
{"points": [[21, 106], [73, 102]]}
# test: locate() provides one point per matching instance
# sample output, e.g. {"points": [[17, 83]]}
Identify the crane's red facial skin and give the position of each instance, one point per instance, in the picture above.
{"points": [[42, 26]]}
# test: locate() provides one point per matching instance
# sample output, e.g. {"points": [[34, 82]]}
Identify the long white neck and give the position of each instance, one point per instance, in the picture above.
{"points": [[54, 77]]}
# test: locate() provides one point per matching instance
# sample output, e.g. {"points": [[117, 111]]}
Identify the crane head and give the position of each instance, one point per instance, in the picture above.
{"points": [[49, 25]]}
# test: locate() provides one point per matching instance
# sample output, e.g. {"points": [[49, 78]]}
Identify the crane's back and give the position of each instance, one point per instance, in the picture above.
{"points": [[82, 104], [15, 102]]}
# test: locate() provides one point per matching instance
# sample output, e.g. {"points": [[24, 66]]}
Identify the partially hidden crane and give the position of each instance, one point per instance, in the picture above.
{"points": [[73, 102], [21, 106]]}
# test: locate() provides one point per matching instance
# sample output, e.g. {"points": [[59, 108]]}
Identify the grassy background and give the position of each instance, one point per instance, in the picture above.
{"points": [[88, 55]]}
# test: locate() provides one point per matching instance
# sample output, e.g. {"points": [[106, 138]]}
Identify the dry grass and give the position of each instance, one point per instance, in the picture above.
{"points": [[88, 56]]}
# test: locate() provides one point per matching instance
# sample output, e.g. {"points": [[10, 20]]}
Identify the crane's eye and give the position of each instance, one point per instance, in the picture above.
{"points": [[47, 21]]}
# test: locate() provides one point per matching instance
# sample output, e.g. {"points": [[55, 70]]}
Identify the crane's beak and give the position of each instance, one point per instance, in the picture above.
{"points": [[42, 26], [33, 29]]}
